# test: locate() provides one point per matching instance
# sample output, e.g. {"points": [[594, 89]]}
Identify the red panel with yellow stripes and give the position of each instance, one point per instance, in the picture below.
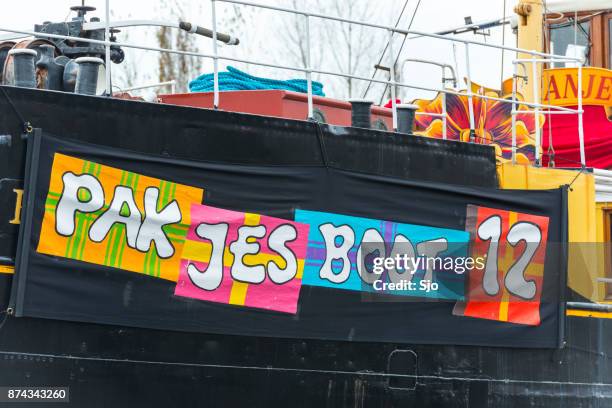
{"points": [[509, 288]]}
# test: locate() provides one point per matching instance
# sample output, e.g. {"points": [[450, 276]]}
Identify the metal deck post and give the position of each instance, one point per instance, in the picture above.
{"points": [[513, 125], [392, 80], [580, 118], [309, 69], [469, 93], [107, 63], [536, 111], [215, 56], [445, 117]]}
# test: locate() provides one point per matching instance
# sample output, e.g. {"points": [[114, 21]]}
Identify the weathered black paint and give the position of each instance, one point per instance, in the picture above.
{"points": [[108, 366], [110, 122], [116, 366]]}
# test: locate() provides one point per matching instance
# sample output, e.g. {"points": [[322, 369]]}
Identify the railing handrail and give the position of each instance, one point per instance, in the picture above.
{"points": [[395, 29], [536, 105], [171, 84], [266, 64], [442, 65], [391, 82]]}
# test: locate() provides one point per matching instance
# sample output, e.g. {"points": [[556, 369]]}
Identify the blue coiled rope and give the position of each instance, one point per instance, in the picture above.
{"points": [[236, 80]]}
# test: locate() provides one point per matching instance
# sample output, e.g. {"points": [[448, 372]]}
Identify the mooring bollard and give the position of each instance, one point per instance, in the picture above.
{"points": [[360, 113], [24, 70], [49, 72], [405, 117], [87, 76]]}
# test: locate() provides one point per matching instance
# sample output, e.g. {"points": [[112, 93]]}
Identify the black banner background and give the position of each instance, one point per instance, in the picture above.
{"points": [[220, 136], [65, 289]]}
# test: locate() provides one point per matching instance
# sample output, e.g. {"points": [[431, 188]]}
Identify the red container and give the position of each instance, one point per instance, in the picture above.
{"points": [[284, 104]]}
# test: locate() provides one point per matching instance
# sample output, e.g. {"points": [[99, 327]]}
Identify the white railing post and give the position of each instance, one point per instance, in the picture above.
{"points": [[469, 93], [309, 69], [445, 117], [580, 118], [215, 56], [107, 63], [514, 78], [536, 111], [392, 80]]}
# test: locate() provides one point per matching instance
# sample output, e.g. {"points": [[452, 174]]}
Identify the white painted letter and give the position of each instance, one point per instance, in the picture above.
{"points": [[402, 246], [276, 242], [151, 229], [123, 199], [330, 233], [515, 278], [374, 242], [240, 248], [430, 250], [69, 203], [491, 229], [211, 278]]}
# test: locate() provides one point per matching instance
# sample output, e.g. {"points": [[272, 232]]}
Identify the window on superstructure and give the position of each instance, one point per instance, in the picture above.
{"points": [[565, 40], [609, 37]]}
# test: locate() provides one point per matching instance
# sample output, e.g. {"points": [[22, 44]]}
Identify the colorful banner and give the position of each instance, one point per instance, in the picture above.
{"points": [[339, 249], [108, 216], [243, 259], [303, 274], [509, 288]]}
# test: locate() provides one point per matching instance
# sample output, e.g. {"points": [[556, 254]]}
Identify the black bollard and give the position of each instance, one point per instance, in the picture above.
{"points": [[49, 72], [24, 71], [87, 76], [70, 73], [360, 113], [405, 117]]}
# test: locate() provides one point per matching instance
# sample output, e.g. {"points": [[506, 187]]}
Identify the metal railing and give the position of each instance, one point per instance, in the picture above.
{"points": [[171, 84], [453, 79], [536, 105], [107, 49], [308, 70], [536, 110]]}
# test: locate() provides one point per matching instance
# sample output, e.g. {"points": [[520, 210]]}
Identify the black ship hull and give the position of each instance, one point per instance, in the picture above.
{"points": [[106, 365]]}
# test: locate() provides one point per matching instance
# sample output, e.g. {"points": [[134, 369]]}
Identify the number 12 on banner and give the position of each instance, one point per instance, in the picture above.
{"points": [[509, 288]]}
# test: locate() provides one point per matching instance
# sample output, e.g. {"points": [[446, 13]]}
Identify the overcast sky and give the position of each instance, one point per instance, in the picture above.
{"points": [[432, 15]]}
